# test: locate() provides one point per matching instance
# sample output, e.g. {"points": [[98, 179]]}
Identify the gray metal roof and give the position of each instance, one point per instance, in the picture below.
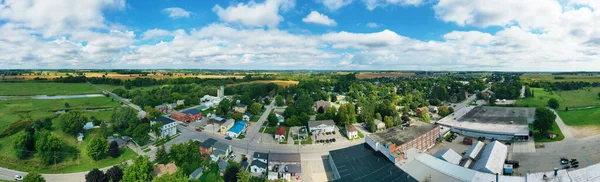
{"points": [[448, 155], [492, 159], [221, 146], [258, 163], [276, 157], [196, 174], [474, 150], [260, 155], [321, 122]]}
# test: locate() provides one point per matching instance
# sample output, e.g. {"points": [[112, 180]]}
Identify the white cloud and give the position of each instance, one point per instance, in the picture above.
{"points": [[176, 12], [334, 4], [254, 14], [372, 25], [318, 18], [343, 40], [155, 33], [372, 4]]}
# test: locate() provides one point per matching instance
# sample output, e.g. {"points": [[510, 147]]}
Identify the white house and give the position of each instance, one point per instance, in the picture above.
{"points": [[280, 134], [280, 118], [321, 126], [259, 163], [220, 150], [351, 132], [246, 117], [169, 127]]}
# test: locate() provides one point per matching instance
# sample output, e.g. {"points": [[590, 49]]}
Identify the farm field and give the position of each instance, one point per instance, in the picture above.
{"points": [[370, 75], [43, 88], [12, 110], [119, 76], [283, 83], [113, 87], [562, 78], [572, 98]]}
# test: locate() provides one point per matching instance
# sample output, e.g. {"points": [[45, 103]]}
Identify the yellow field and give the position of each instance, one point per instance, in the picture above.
{"points": [[126, 76], [282, 83], [370, 75], [562, 78]]}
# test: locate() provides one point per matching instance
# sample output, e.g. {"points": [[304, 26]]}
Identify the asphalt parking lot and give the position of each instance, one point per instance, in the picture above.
{"points": [[338, 137]]}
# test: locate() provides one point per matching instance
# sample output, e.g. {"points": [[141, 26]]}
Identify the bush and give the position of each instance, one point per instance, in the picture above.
{"points": [[16, 127]]}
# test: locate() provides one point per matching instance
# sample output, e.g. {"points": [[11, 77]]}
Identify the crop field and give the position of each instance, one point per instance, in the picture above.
{"points": [[43, 88], [120, 76], [283, 83], [562, 78], [113, 87], [370, 75]]}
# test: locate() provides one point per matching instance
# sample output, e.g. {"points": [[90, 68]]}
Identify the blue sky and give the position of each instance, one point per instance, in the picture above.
{"points": [[489, 35]]}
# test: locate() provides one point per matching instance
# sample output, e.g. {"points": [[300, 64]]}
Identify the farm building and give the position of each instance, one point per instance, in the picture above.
{"points": [[394, 142], [187, 115]]}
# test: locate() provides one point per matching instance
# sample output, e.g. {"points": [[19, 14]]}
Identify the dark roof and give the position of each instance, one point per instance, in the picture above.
{"points": [[258, 163], [120, 141], [274, 157], [208, 143], [260, 155], [191, 111], [502, 115], [244, 165], [361, 163], [164, 120], [399, 135], [196, 174], [240, 105]]}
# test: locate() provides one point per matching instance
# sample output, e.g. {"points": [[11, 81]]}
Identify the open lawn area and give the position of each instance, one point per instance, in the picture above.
{"points": [[561, 78], [555, 129], [580, 117], [540, 100], [43, 88], [579, 98], [12, 110]]}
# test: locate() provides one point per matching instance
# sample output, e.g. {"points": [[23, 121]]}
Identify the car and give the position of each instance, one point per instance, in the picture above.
{"points": [[575, 165], [333, 132], [228, 138], [18, 178], [573, 160], [567, 167], [232, 157], [564, 161], [334, 140], [198, 130]]}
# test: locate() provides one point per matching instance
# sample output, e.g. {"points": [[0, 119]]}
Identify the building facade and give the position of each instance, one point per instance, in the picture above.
{"points": [[169, 127], [397, 140], [321, 126]]}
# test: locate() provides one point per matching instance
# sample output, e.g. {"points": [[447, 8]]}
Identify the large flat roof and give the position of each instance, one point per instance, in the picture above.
{"points": [[398, 136], [489, 121], [361, 163], [499, 115]]}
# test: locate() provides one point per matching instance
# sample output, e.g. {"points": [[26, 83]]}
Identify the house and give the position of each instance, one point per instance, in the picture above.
{"points": [[88, 125], [280, 118], [226, 126], [487, 93], [216, 119], [259, 163], [379, 124], [169, 127], [180, 102], [280, 134], [187, 115], [340, 98], [161, 169], [284, 166], [60, 112], [206, 147], [196, 174], [220, 150], [121, 141], [247, 117], [80, 137], [321, 104], [171, 106], [161, 108], [321, 126], [351, 132], [142, 114], [237, 129], [223, 166], [241, 108], [433, 109]]}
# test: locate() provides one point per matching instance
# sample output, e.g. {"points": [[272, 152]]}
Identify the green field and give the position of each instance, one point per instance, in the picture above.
{"points": [[13, 110], [43, 88], [555, 129], [113, 87], [580, 117], [540, 100], [562, 78], [572, 98]]}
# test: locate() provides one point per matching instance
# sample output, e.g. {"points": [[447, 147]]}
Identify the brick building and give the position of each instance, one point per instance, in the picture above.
{"points": [[187, 115], [394, 142]]}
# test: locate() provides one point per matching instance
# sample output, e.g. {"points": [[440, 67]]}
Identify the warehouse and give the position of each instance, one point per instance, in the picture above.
{"points": [[502, 123]]}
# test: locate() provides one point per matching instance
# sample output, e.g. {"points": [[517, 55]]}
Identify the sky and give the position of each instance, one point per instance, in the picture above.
{"points": [[432, 35]]}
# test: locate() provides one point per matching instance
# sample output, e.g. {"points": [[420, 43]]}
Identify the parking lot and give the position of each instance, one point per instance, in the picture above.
{"points": [[317, 170], [455, 145], [327, 138]]}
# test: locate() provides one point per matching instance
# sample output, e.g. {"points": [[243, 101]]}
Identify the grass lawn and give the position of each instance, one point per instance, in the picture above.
{"points": [[101, 115], [579, 98], [212, 174], [42, 88], [555, 129], [565, 78], [360, 135], [13, 110], [540, 100], [580, 117]]}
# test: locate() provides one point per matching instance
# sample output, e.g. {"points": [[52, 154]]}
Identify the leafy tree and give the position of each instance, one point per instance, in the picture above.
{"points": [[243, 176], [553, 103], [492, 100], [114, 174], [72, 122], [544, 118], [97, 148], [23, 144], [372, 127], [156, 128], [444, 111], [33, 177], [161, 156], [95, 175], [598, 94], [140, 134], [378, 116], [406, 109], [320, 110], [139, 171], [389, 121], [186, 156], [152, 112], [346, 114], [405, 118], [122, 116], [67, 105], [425, 116], [237, 116], [113, 149], [47, 145], [279, 100], [230, 174], [245, 99], [289, 112], [272, 119], [255, 108], [175, 177]]}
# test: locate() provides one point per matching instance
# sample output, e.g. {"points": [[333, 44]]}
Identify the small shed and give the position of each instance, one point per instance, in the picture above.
{"points": [[196, 174]]}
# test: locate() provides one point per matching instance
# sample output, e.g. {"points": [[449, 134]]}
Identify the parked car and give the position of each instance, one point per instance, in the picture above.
{"points": [[198, 130], [18, 178], [232, 157], [508, 143], [575, 165], [227, 138], [567, 167], [564, 161]]}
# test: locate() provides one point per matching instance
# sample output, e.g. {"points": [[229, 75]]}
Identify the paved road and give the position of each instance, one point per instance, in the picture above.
{"points": [[563, 127]]}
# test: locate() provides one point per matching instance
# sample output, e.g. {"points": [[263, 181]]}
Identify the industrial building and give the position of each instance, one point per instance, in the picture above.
{"points": [[501, 123], [395, 141], [448, 155]]}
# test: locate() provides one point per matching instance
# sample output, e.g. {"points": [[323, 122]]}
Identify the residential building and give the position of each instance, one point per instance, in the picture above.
{"points": [[487, 93], [422, 110], [244, 165], [241, 108], [88, 125], [280, 118], [379, 124], [433, 109], [259, 163], [80, 137], [223, 166], [187, 115], [448, 155], [142, 114], [180, 102], [321, 126], [238, 129], [196, 174], [169, 127], [280, 134], [351, 132], [161, 108], [226, 126], [220, 150], [161, 169], [395, 141], [360, 163], [121, 141], [247, 117], [206, 148], [321, 104], [284, 166]]}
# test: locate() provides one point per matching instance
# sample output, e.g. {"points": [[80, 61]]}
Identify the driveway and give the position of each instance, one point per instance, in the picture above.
{"points": [[563, 127]]}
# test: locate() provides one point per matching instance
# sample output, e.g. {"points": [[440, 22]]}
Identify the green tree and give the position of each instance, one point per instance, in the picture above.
{"points": [[246, 99], [272, 120], [175, 177], [152, 112], [230, 174], [114, 174], [33, 177], [113, 150], [95, 175], [156, 128], [97, 148], [425, 116], [444, 111], [544, 119], [492, 100], [237, 116], [346, 114], [389, 121], [186, 156], [47, 145], [553, 103], [255, 108], [140, 134], [122, 116], [378, 116], [72, 122], [23, 144], [279, 100], [161, 156], [372, 127], [243, 176], [598, 94], [67, 105], [139, 171]]}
